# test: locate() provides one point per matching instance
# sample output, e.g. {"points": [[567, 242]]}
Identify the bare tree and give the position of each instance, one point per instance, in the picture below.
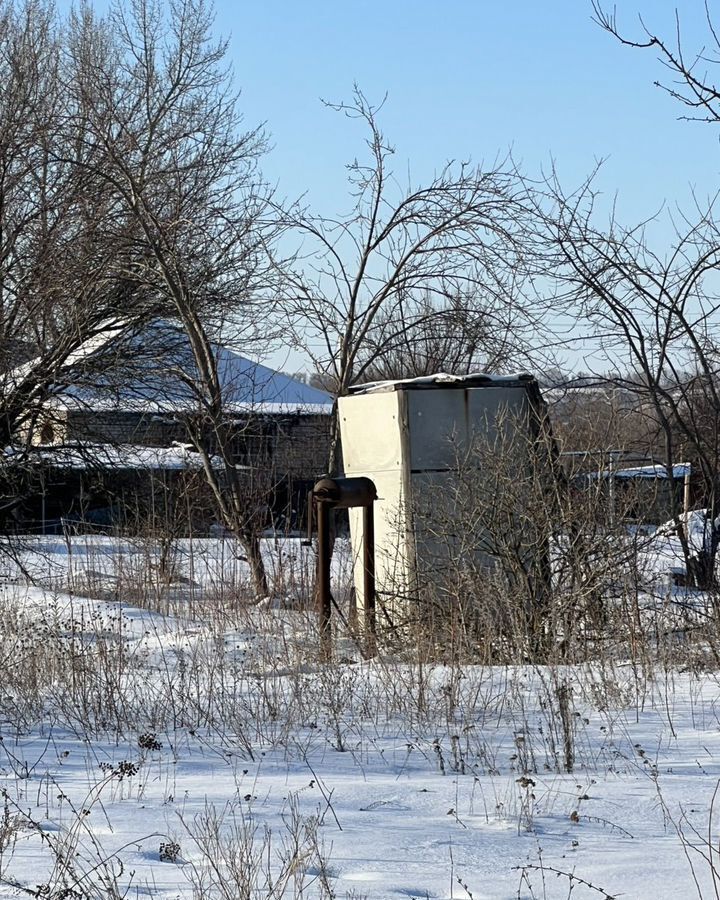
{"points": [[592, 417], [154, 100], [372, 280], [128, 191], [461, 335], [653, 317], [655, 313], [691, 81], [67, 297]]}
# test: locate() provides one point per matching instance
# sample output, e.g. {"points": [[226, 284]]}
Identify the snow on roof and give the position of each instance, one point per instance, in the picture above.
{"points": [[680, 470], [656, 470], [95, 343], [110, 456], [444, 379], [163, 382]]}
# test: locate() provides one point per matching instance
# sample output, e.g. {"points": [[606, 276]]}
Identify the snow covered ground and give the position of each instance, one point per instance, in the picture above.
{"points": [[153, 746]]}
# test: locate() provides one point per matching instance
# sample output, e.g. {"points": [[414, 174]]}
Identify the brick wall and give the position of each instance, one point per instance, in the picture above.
{"points": [[294, 446]]}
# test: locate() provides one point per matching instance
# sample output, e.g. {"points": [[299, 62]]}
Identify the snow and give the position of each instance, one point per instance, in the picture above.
{"points": [[474, 379], [112, 456], [107, 331], [165, 385], [145, 727], [656, 470], [162, 354], [697, 528]]}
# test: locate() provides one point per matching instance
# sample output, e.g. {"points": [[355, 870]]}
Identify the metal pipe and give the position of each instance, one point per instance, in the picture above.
{"points": [[307, 541], [344, 493], [327, 495], [324, 598], [369, 579]]}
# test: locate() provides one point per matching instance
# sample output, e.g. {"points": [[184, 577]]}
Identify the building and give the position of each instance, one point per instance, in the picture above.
{"points": [[110, 446]]}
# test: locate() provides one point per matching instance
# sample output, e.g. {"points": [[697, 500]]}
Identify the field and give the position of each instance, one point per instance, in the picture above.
{"points": [[161, 737]]}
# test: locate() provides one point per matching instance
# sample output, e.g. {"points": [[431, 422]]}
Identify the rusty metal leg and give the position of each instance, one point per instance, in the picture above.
{"points": [[369, 579], [324, 598]]}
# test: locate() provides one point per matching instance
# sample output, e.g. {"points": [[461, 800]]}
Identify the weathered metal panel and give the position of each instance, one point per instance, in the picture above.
{"points": [[414, 441], [447, 526], [394, 571], [444, 422], [495, 409], [370, 433], [437, 420]]}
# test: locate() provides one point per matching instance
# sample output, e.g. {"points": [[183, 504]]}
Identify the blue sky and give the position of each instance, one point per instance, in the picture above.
{"points": [[468, 80], [471, 80]]}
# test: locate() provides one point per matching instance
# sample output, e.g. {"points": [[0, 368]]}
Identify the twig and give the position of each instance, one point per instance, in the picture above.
{"points": [[569, 875]]}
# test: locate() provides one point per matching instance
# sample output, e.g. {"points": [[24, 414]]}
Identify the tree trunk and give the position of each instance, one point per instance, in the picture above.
{"points": [[333, 463], [701, 568], [251, 544]]}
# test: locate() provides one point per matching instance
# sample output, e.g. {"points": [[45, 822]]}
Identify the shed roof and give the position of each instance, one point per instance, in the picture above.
{"points": [[445, 380], [161, 372]]}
